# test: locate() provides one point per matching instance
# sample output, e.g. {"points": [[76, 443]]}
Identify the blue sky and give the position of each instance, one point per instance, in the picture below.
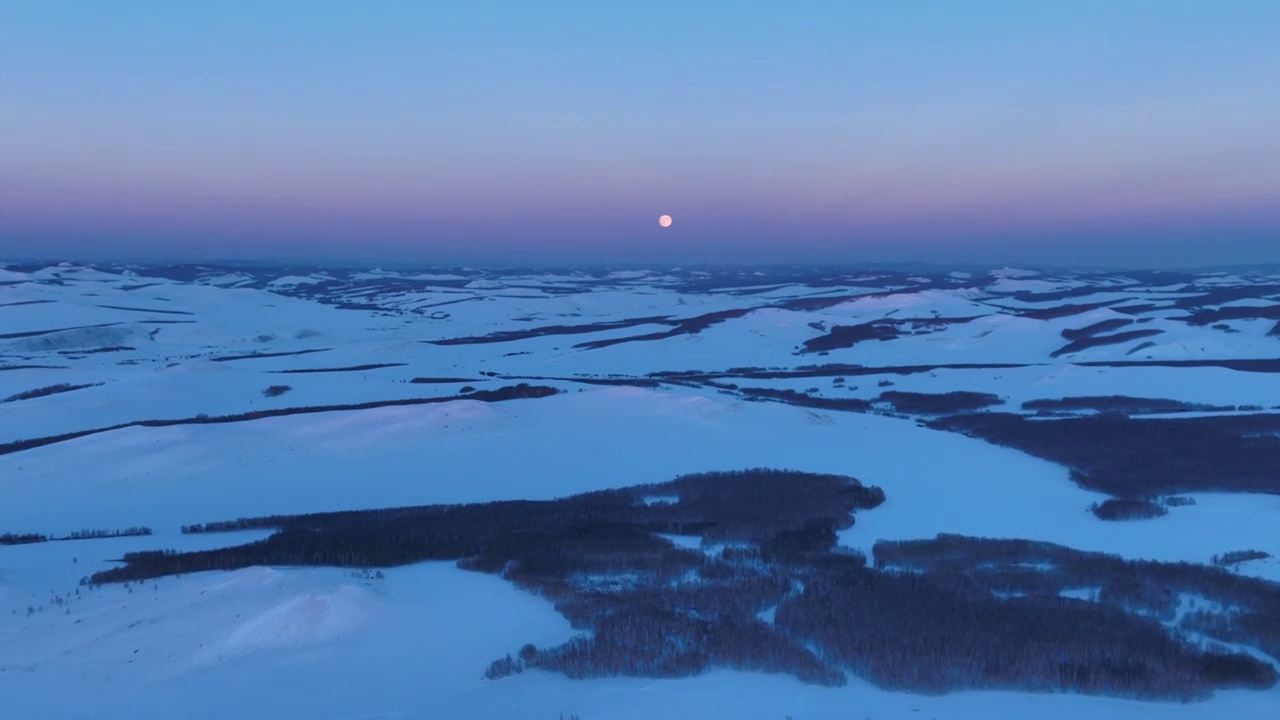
{"points": [[1121, 132]]}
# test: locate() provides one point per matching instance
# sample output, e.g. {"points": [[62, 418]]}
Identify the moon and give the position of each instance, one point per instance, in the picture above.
{"points": [[665, 221]]}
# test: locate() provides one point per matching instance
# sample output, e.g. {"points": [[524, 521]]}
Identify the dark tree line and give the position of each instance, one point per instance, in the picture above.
{"points": [[349, 368], [799, 399], [1099, 327], [511, 392], [1235, 557], [1142, 458], [1117, 404], [138, 531], [1086, 343], [28, 538], [49, 390]]}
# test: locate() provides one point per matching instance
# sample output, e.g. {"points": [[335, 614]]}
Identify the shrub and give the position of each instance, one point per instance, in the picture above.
{"points": [[1127, 509]]}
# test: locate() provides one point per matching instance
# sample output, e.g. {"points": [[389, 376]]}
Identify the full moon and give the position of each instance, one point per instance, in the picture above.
{"points": [[665, 221]]}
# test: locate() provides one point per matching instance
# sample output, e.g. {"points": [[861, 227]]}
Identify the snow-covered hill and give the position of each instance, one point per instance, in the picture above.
{"points": [[86, 348]]}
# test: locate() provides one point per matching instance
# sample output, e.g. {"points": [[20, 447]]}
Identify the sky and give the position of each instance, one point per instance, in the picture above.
{"points": [[1099, 132]]}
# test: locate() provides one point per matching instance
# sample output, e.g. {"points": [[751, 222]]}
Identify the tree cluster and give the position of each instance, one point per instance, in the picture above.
{"points": [[1127, 509], [769, 590], [1146, 588], [1142, 458], [22, 538], [1116, 404]]}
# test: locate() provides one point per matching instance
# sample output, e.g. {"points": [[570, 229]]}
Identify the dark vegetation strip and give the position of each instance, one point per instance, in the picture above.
{"points": [[689, 326], [799, 399], [432, 381], [1140, 308], [1142, 458], [1235, 557], [38, 333], [521, 391], [956, 401], [1266, 365], [1062, 311], [352, 368], [365, 307], [24, 302], [448, 302], [1151, 589], [32, 538], [511, 335], [907, 403], [1093, 341], [1217, 295], [846, 336], [1128, 509], [1213, 315], [1098, 327], [252, 356], [147, 310], [607, 382], [828, 370], [94, 351], [1029, 296], [932, 616], [48, 390], [1263, 365], [685, 326], [33, 367], [1121, 404]]}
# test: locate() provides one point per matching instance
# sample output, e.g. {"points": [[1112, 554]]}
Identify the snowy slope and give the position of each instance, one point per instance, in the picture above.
{"points": [[413, 644]]}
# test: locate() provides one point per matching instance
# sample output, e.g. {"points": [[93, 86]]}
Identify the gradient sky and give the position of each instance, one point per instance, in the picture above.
{"points": [[1101, 132]]}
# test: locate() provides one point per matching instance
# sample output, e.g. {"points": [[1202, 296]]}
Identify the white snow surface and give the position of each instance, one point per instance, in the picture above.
{"points": [[337, 645]]}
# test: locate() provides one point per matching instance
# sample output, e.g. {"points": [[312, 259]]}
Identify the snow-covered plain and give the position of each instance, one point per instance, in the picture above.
{"points": [[169, 343]]}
